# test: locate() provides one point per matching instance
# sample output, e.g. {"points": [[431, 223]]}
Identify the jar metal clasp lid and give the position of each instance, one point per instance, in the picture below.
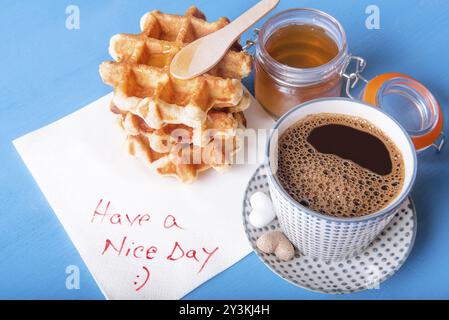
{"points": [[353, 78], [251, 42], [403, 98]]}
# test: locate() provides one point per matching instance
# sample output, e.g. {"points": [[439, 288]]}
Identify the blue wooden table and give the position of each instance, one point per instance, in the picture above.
{"points": [[49, 71]]}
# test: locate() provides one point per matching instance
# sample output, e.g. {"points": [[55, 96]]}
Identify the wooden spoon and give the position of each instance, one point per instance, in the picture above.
{"points": [[203, 54]]}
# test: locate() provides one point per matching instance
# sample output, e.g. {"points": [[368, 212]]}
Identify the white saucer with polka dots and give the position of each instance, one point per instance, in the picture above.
{"points": [[384, 256]]}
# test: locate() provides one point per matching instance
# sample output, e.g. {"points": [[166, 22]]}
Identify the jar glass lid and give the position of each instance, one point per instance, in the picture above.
{"points": [[411, 104]]}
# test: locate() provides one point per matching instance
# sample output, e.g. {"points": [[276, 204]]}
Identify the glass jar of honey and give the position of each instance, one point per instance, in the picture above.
{"points": [[300, 55]]}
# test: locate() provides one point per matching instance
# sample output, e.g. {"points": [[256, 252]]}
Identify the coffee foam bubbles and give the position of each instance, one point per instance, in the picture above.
{"points": [[332, 185]]}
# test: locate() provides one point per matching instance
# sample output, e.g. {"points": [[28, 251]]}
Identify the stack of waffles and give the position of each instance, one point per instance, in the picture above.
{"points": [[178, 127]]}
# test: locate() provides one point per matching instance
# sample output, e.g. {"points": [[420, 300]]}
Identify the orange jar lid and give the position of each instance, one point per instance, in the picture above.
{"points": [[411, 104]]}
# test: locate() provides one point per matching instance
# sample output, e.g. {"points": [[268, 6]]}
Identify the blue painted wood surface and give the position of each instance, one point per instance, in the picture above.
{"points": [[48, 71]]}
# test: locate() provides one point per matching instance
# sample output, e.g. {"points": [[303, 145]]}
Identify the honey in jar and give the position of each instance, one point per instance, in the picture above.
{"points": [[299, 57], [301, 46]]}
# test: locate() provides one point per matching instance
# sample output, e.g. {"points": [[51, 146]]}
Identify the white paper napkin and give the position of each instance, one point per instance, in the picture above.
{"points": [[121, 216]]}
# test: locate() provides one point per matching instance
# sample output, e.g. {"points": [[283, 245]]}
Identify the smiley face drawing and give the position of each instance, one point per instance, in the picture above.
{"points": [[145, 277]]}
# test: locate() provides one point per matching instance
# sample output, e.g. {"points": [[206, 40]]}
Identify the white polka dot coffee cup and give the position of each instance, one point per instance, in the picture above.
{"points": [[323, 236]]}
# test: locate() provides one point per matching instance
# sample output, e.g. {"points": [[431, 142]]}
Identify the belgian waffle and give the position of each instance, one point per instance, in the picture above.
{"points": [[141, 78], [218, 124], [153, 107]]}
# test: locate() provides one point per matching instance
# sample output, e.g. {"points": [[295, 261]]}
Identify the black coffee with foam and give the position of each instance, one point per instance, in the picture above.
{"points": [[339, 165]]}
